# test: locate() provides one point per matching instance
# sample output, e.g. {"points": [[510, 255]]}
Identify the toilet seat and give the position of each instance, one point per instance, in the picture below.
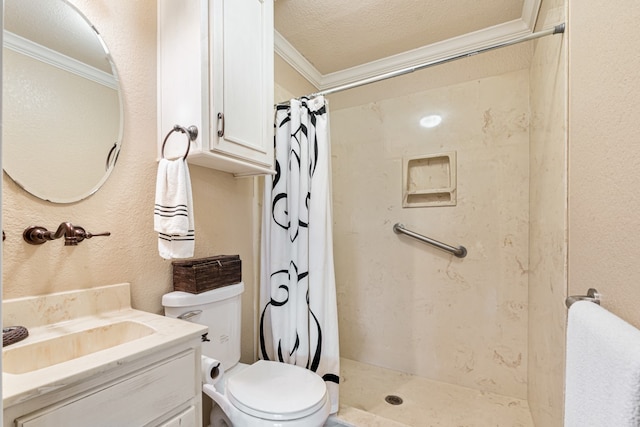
{"points": [[276, 391]]}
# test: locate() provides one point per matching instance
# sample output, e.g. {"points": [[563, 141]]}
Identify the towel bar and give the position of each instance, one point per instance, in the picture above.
{"points": [[592, 295]]}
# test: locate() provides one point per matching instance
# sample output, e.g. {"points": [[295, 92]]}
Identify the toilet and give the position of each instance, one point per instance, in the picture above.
{"points": [[264, 394]]}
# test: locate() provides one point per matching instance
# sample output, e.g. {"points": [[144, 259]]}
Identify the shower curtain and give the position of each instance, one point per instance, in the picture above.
{"points": [[298, 313]]}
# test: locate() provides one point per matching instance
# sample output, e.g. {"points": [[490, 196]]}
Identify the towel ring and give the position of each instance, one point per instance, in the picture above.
{"points": [[191, 132]]}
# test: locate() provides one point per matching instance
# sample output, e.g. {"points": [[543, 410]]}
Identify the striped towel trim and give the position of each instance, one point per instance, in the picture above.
{"points": [[170, 211], [178, 237]]}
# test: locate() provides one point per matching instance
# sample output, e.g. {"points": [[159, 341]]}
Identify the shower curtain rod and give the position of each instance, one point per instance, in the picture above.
{"points": [[558, 29]]}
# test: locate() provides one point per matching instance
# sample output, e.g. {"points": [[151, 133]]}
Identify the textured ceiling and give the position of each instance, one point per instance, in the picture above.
{"points": [[337, 34]]}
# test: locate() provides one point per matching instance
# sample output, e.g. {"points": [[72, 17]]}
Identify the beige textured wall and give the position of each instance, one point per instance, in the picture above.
{"points": [[410, 307], [288, 82], [124, 206], [548, 227], [604, 159]]}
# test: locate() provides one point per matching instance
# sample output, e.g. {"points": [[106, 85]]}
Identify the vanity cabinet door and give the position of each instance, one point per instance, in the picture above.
{"points": [[136, 400], [215, 71], [188, 418]]}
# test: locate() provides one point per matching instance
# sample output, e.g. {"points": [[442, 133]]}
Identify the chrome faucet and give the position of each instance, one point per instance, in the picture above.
{"points": [[37, 235]]}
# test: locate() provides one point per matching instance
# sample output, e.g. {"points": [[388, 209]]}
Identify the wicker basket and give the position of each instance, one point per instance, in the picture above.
{"points": [[203, 274], [13, 334]]}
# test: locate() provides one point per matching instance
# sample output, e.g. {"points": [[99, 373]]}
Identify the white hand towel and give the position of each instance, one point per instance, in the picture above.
{"points": [[603, 369], [173, 212]]}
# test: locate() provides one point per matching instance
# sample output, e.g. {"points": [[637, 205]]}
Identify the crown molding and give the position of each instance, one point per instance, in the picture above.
{"points": [[294, 58], [56, 59], [475, 40], [433, 52]]}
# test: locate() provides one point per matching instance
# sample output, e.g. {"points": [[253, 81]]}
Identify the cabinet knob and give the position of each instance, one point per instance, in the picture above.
{"points": [[221, 127]]}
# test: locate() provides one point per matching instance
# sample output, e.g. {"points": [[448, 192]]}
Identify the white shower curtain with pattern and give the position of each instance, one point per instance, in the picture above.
{"points": [[298, 313]]}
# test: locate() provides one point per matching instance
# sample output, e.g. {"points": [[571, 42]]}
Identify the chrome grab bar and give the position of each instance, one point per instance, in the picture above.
{"points": [[459, 252], [592, 295]]}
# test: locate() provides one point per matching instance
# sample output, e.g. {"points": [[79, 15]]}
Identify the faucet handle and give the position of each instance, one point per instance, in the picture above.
{"points": [[35, 235], [81, 234], [106, 233]]}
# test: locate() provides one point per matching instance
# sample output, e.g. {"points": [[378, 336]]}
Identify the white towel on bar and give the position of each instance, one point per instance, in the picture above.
{"points": [[173, 212], [603, 369]]}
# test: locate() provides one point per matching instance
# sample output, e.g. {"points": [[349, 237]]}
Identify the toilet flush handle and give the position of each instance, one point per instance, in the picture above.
{"points": [[189, 314]]}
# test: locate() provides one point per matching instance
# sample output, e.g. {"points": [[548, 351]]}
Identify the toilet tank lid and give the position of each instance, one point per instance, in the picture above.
{"points": [[184, 299]]}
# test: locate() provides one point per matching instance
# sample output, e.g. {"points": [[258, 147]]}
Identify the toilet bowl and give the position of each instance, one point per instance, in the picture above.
{"points": [[264, 394], [269, 394]]}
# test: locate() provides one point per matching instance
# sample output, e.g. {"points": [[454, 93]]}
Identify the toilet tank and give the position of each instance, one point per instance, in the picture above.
{"points": [[220, 310]]}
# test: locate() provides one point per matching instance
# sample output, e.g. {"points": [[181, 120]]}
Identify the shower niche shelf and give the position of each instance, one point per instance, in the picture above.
{"points": [[429, 180]]}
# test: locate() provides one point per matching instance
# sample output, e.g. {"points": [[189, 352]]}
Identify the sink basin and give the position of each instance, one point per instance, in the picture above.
{"points": [[42, 354]]}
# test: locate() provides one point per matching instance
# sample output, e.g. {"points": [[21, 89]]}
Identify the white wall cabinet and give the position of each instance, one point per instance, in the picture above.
{"points": [[215, 71]]}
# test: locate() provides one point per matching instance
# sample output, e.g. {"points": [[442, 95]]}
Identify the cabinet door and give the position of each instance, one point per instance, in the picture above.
{"points": [[241, 72], [184, 419]]}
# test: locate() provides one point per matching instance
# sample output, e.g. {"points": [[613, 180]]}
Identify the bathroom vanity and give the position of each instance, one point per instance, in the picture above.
{"points": [[90, 359]]}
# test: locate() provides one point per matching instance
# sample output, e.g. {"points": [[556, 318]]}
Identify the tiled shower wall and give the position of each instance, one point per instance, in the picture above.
{"points": [[411, 307]]}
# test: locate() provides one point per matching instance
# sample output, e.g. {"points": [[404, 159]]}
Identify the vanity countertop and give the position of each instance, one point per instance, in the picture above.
{"points": [[82, 313]]}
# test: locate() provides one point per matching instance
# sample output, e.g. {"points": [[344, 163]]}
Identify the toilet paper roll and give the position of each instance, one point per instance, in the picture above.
{"points": [[212, 370]]}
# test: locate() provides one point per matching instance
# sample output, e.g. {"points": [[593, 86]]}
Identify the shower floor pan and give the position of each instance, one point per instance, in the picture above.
{"points": [[425, 403]]}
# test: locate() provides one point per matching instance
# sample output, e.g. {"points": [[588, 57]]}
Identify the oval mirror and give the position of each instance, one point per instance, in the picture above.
{"points": [[62, 110]]}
